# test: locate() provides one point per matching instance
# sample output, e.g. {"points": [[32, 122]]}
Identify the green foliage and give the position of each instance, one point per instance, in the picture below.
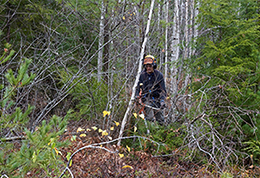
{"points": [[27, 16], [231, 57], [168, 137], [227, 70], [226, 175], [22, 77], [89, 95], [39, 150], [253, 148], [6, 55], [17, 119]]}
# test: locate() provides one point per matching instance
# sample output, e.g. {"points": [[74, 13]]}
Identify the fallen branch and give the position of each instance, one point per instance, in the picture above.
{"points": [[4, 176], [12, 138]]}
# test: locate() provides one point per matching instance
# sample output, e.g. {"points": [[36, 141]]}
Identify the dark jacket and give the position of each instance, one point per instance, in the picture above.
{"points": [[152, 86]]}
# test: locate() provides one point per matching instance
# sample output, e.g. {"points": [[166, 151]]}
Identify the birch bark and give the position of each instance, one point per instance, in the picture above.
{"points": [[175, 47], [187, 40], [101, 41], [166, 38]]}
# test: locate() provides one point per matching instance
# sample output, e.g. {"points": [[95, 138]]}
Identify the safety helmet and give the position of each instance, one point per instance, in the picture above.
{"points": [[149, 59]]}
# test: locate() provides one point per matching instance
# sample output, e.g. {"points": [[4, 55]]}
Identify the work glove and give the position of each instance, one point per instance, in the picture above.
{"points": [[163, 105]]}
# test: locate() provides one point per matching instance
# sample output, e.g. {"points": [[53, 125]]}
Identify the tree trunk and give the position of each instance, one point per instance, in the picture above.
{"points": [[175, 48], [166, 38], [101, 42], [106, 50]]}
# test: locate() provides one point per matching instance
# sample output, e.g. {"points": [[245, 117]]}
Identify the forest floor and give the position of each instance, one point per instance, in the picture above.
{"points": [[113, 161]]}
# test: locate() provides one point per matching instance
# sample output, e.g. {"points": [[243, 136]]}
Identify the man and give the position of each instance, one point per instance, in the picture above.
{"points": [[151, 90]]}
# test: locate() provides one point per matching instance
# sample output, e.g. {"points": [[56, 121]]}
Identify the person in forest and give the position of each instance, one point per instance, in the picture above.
{"points": [[151, 91]]}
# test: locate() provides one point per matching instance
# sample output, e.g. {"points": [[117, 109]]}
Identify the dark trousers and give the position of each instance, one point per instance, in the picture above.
{"points": [[153, 114]]}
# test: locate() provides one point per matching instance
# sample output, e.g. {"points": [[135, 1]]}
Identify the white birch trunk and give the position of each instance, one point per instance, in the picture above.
{"points": [[186, 32], [100, 42], [187, 29], [196, 6], [130, 104], [187, 49], [166, 39], [159, 16], [175, 47]]}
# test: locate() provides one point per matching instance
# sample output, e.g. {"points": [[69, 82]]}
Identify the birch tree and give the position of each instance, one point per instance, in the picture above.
{"points": [[187, 49], [175, 47], [174, 56], [101, 41], [166, 4]]}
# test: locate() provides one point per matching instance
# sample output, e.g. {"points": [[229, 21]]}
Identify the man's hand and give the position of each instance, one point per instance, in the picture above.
{"points": [[163, 105], [137, 99]]}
